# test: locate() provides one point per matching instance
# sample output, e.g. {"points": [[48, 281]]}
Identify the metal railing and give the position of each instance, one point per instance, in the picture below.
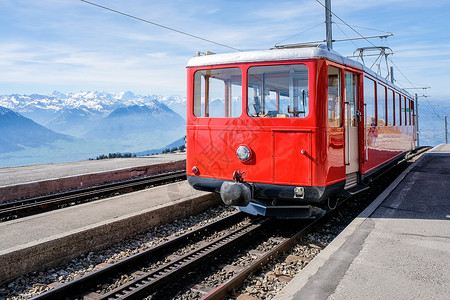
{"points": [[433, 130]]}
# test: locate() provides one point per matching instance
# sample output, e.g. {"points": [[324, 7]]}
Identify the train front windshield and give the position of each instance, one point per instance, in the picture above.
{"points": [[218, 93], [277, 91]]}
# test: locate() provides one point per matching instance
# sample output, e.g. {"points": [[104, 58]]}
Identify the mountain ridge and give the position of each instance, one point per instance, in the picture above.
{"points": [[19, 132], [101, 101]]}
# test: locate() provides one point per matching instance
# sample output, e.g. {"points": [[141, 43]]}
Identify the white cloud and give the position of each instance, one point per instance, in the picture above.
{"points": [[75, 45]]}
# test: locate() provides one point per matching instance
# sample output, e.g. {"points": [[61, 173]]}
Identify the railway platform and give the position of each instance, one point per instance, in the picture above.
{"points": [[31, 181], [398, 248]]}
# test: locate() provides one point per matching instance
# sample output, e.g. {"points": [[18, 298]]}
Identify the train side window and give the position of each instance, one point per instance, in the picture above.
{"points": [[390, 108], [218, 93], [405, 110], [334, 98], [381, 105], [279, 91], [413, 116], [409, 110], [369, 101], [351, 96], [400, 107]]}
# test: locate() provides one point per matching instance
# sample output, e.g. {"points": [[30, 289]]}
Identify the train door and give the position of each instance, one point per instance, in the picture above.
{"points": [[351, 102]]}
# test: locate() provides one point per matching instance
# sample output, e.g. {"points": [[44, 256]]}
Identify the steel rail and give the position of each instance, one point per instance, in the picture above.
{"points": [[84, 284], [221, 292], [151, 281], [47, 202], [238, 279]]}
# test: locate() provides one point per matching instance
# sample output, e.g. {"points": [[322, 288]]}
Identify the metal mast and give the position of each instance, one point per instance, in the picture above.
{"points": [[328, 24]]}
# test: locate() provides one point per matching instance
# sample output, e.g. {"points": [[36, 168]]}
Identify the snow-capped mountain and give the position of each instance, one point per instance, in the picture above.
{"points": [[97, 122], [137, 119], [95, 101], [77, 113]]}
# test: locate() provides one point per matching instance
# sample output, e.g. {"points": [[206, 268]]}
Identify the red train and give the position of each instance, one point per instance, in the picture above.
{"points": [[285, 132]]}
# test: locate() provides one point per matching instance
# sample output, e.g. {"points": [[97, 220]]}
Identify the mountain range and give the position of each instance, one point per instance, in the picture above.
{"points": [[19, 132], [59, 127], [77, 113], [99, 101]]}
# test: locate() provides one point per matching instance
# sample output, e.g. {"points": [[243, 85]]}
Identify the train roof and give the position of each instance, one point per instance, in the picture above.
{"points": [[280, 54], [307, 52]]}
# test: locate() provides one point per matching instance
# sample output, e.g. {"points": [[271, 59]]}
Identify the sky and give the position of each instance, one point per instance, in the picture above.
{"points": [[71, 46]]}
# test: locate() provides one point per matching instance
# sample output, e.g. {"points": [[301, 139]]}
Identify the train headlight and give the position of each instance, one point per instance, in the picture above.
{"points": [[243, 153]]}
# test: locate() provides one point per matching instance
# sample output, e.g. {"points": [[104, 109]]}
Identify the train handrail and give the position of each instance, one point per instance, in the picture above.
{"points": [[366, 150], [347, 134]]}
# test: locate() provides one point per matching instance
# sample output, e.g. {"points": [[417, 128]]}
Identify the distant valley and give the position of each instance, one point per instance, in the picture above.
{"points": [[57, 128]]}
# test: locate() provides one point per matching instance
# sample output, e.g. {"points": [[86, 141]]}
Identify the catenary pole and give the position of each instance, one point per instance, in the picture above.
{"points": [[328, 24]]}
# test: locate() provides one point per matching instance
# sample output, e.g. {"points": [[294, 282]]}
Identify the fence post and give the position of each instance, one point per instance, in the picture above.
{"points": [[446, 139], [417, 121]]}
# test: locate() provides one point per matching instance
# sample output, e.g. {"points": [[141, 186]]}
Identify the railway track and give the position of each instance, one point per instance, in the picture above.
{"points": [[237, 280], [20, 208], [177, 272], [159, 279], [83, 285]]}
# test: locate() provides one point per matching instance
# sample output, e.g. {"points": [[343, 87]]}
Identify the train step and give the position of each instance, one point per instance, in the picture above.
{"points": [[354, 190]]}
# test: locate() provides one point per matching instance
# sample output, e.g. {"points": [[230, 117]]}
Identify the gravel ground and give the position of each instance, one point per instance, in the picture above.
{"points": [[37, 282], [273, 277], [265, 284]]}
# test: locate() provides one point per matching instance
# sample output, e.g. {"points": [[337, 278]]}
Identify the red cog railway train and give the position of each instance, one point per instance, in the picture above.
{"points": [[286, 132]]}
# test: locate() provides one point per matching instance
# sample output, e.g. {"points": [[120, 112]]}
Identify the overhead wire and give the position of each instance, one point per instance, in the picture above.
{"points": [[160, 25], [412, 85], [365, 28], [346, 24], [339, 27], [354, 44], [417, 89], [236, 49], [343, 32], [349, 26], [312, 27]]}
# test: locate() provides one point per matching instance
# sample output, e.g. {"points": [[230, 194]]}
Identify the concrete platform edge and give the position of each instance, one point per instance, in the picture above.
{"points": [[328, 283], [59, 249], [37, 188]]}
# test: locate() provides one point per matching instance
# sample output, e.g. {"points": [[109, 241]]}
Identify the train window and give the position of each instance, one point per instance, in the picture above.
{"points": [[279, 91], [351, 95], [413, 116], [369, 101], [334, 97], [409, 111], [390, 107], [405, 110], [381, 105], [399, 109], [218, 93]]}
